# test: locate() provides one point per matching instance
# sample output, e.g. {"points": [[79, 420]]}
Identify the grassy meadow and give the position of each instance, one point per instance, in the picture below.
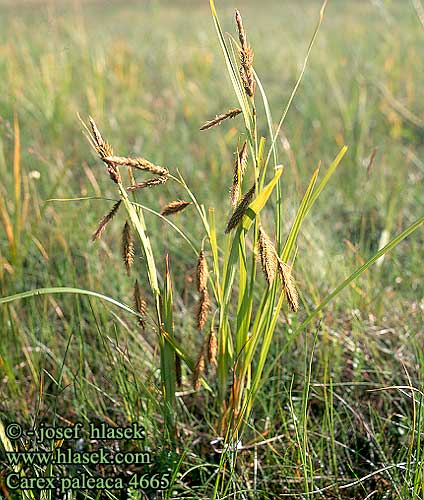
{"points": [[340, 408]]}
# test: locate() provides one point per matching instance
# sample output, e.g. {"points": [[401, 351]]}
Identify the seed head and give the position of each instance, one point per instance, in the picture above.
{"points": [[131, 176], [246, 59], [246, 72], [288, 285], [268, 256], [104, 221], [235, 190], [199, 371], [240, 210], [138, 163], [220, 118], [241, 32], [243, 159], [98, 139], [127, 247], [155, 181], [175, 206], [103, 150], [203, 309], [212, 347], [239, 170], [202, 272]]}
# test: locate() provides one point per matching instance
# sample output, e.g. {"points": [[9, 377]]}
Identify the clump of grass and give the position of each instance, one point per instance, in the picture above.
{"points": [[246, 311]]}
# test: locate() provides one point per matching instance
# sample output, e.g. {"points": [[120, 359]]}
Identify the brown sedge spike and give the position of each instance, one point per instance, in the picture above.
{"points": [[104, 149], [98, 233], [202, 272], [203, 309], [246, 59], [243, 159], [239, 170], [235, 188], [98, 139], [127, 247], [232, 113], [240, 210], [138, 163], [267, 255], [288, 283], [199, 370], [174, 207], [212, 348], [157, 181]]}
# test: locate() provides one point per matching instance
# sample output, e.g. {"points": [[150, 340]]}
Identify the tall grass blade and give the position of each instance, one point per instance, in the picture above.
{"points": [[17, 180], [232, 72], [300, 216], [167, 352], [67, 290], [302, 72], [321, 185], [395, 241]]}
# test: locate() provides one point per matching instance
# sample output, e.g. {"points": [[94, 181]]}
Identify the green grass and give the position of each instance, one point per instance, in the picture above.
{"points": [[336, 416]]}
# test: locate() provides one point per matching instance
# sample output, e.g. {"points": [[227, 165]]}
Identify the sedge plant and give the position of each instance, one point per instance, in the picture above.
{"points": [[236, 305]]}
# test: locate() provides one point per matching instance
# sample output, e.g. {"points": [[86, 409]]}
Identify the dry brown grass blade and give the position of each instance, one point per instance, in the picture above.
{"points": [[26, 199], [131, 176], [17, 161], [8, 228]]}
